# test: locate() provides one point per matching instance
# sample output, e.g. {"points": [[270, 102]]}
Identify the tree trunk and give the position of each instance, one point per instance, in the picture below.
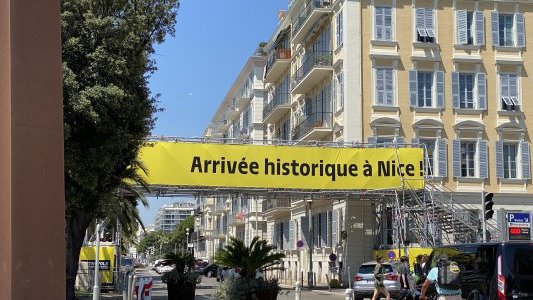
{"points": [[76, 224]]}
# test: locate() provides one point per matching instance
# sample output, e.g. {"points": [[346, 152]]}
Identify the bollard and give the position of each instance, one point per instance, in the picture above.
{"points": [[348, 294], [297, 290]]}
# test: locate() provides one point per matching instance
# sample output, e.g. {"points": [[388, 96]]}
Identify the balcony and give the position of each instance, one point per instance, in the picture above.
{"points": [[237, 218], [272, 207], [316, 67], [279, 60], [314, 127], [245, 96], [221, 126], [313, 11], [232, 112], [278, 107]]}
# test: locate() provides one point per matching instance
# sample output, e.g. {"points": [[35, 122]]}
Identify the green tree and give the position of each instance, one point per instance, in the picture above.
{"points": [[108, 107], [248, 260]]}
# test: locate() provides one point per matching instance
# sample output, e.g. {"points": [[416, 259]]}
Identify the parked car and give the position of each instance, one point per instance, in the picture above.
{"points": [[210, 270], [164, 266], [199, 266], [363, 281], [492, 270]]}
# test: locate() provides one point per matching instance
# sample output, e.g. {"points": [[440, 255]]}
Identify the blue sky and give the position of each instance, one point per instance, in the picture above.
{"points": [[213, 41]]}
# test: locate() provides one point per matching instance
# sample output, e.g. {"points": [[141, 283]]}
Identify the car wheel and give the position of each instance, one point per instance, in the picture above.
{"points": [[209, 273]]}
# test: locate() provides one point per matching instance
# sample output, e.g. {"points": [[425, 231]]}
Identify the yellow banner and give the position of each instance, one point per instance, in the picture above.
{"points": [[106, 260], [282, 167]]}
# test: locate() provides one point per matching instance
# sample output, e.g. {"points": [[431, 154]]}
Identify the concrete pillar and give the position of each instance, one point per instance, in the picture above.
{"points": [[32, 204]]}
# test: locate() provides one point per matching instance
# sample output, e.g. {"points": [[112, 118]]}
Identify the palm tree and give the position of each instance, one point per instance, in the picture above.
{"points": [[248, 260]]}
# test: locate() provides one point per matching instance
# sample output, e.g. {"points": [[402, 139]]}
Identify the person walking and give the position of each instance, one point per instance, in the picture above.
{"points": [[417, 268], [452, 291], [379, 287], [405, 291]]}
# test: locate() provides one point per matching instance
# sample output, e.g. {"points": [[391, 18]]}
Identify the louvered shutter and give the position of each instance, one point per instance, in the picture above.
{"points": [[379, 19], [304, 230], [455, 90], [291, 235], [479, 22], [481, 91], [420, 19], [286, 235], [520, 33], [413, 87], [389, 87], [330, 228], [499, 159], [335, 228], [380, 87], [456, 152], [460, 17], [315, 229], [387, 14], [495, 28], [442, 157], [440, 88], [428, 14], [526, 164], [483, 160]]}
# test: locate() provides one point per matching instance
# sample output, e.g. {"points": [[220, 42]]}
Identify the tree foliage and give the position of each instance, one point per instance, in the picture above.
{"points": [[248, 259], [108, 107]]}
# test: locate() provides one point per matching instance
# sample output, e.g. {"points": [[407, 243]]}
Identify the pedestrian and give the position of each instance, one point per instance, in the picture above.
{"points": [[448, 286], [424, 267], [379, 287], [405, 291], [417, 268]]}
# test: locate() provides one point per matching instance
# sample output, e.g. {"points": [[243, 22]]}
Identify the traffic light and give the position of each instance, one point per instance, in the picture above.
{"points": [[488, 204]]}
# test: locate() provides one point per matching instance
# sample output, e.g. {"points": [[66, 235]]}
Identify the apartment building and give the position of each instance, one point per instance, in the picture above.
{"points": [[169, 216], [449, 76], [239, 119]]}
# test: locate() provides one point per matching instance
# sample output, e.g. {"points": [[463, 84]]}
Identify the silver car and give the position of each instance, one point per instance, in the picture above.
{"points": [[363, 281]]}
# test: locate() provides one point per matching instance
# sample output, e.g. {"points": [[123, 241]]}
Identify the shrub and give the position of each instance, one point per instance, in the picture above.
{"points": [[243, 288], [334, 283]]}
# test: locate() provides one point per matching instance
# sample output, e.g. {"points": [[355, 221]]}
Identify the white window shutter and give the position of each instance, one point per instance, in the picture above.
{"points": [[389, 86], [455, 89], [323, 229], [495, 28], [330, 228], [442, 156], [440, 88], [460, 18], [520, 30], [483, 159], [413, 87], [428, 12], [291, 235], [379, 23], [456, 152], [420, 18], [526, 164], [304, 230], [479, 23], [481, 91], [499, 159], [315, 229], [286, 235], [380, 86], [335, 228], [387, 15]]}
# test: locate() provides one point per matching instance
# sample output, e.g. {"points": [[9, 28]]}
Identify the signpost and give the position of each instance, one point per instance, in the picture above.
{"points": [[519, 226]]}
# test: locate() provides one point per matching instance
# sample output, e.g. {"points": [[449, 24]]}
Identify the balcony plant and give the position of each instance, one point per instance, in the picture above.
{"points": [[181, 281], [249, 262]]}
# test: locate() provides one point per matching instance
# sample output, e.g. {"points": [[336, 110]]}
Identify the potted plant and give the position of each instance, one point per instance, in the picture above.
{"points": [[249, 263], [181, 281]]}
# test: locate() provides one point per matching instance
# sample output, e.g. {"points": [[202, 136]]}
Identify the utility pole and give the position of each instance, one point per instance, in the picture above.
{"points": [[310, 280]]}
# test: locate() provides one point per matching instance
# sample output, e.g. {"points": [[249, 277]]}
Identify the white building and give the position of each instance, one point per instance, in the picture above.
{"points": [[169, 216]]}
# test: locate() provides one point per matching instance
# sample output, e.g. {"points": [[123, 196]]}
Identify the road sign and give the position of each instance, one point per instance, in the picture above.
{"points": [[519, 225], [332, 257], [391, 254], [299, 244]]}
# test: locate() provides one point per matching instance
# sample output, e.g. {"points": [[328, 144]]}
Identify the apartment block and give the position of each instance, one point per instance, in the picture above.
{"points": [[448, 76], [169, 216]]}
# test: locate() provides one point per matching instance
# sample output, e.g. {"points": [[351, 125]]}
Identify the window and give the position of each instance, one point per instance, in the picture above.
{"points": [[425, 31], [468, 152], [384, 87], [470, 27], [466, 91], [424, 87], [507, 29], [383, 23], [469, 90], [510, 152], [470, 159], [512, 160], [338, 22], [509, 92], [338, 91], [429, 148]]}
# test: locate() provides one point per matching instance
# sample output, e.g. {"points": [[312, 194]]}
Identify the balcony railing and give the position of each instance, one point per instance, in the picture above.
{"points": [[311, 122], [276, 54], [278, 99], [271, 204], [311, 12], [314, 59]]}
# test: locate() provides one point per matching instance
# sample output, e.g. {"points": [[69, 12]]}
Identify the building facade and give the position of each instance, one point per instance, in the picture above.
{"points": [[169, 216], [448, 76]]}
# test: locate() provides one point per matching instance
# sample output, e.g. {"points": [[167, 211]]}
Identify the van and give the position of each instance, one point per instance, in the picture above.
{"points": [[500, 271]]}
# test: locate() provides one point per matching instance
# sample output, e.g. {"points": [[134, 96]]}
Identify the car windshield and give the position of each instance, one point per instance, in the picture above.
{"points": [[369, 269]]}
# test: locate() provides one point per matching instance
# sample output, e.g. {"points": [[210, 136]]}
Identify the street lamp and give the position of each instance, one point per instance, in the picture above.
{"points": [[310, 239], [187, 233]]}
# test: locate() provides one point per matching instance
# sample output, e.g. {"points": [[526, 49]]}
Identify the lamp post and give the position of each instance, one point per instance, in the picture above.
{"points": [[310, 273]]}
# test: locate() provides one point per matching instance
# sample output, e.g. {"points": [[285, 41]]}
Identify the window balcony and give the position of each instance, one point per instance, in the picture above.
{"points": [[278, 107], [279, 60], [244, 97], [232, 112], [221, 126], [313, 11], [314, 127], [316, 67], [272, 207]]}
